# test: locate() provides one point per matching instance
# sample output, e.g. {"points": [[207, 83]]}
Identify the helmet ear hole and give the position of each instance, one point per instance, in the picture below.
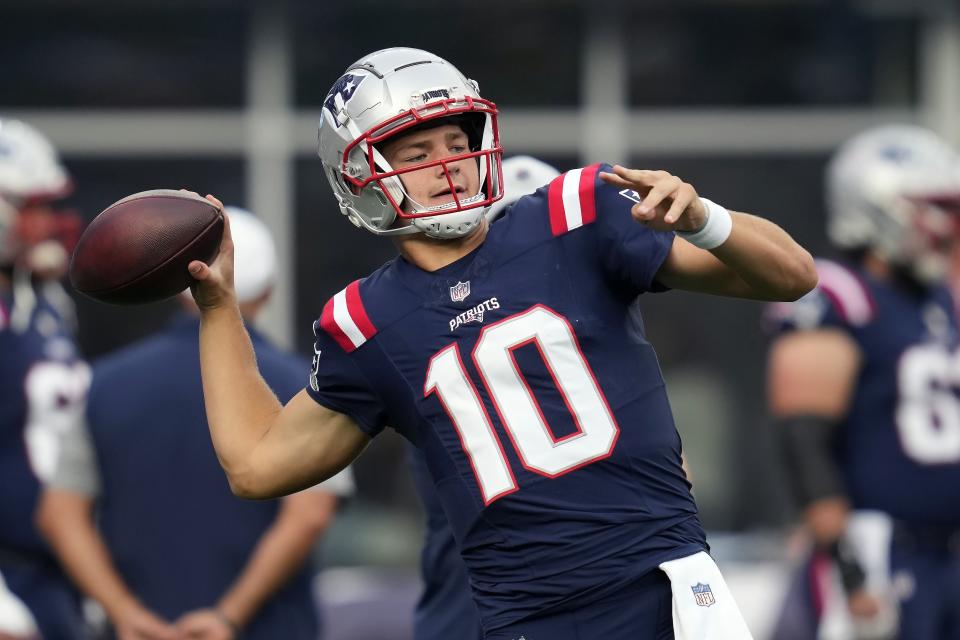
{"points": [[336, 178]]}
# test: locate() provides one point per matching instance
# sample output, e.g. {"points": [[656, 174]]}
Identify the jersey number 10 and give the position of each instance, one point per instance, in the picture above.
{"points": [[516, 405]]}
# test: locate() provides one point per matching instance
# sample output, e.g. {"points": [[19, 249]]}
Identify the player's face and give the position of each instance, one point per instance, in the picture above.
{"points": [[43, 236], [429, 186], [930, 237]]}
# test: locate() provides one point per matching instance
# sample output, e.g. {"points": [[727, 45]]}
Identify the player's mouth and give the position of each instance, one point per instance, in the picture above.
{"points": [[445, 195]]}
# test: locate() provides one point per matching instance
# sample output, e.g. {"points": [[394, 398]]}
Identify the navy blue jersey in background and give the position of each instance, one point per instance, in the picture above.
{"points": [[899, 444], [545, 427], [176, 533], [42, 386], [445, 608]]}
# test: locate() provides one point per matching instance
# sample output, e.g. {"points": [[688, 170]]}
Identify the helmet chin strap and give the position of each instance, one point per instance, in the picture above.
{"points": [[449, 226]]}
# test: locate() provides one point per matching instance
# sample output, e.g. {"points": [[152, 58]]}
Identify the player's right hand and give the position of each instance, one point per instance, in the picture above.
{"points": [[213, 283], [668, 202]]}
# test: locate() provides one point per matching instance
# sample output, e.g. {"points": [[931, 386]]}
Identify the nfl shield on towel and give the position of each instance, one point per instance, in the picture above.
{"points": [[702, 594]]}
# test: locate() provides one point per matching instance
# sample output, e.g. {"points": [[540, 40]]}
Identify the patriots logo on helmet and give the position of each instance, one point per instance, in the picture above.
{"points": [[896, 154], [344, 89]]}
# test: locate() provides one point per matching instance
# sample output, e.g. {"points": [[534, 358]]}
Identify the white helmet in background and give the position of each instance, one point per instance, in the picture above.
{"points": [[255, 256], [30, 172], [896, 190], [522, 175], [385, 94]]}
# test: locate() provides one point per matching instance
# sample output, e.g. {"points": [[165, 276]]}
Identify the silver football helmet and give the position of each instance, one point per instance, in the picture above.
{"points": [[30, 172], [254, 255], [896, 190], [35, 240], [383, 95]]}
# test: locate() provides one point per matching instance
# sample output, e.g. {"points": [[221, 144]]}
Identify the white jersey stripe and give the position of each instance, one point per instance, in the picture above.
{"points": [[341, 315], [571, 199], [847, 290]]}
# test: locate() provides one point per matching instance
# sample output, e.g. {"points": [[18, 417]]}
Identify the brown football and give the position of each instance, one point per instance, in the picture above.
{"points": [[137, 250]]}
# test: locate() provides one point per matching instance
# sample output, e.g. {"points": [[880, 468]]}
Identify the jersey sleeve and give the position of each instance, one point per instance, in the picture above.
{"points": [[337, 382], [841, 300], [630, 252], [77, 469]]}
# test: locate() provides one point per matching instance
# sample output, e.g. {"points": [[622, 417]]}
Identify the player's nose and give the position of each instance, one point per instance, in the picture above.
{"points": [[444, 167]]}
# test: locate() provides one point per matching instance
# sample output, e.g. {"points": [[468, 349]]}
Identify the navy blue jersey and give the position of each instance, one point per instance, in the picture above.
{"points": [[445, 608], [176, 533], [42, 387], [899, 444], [545, 427]]}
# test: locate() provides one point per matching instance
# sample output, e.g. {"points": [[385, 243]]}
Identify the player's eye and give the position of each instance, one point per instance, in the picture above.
{"points": [[420, 157], [458, 148]]}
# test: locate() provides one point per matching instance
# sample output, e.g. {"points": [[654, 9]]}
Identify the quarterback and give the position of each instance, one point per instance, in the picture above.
{"points": [[545, 428]]}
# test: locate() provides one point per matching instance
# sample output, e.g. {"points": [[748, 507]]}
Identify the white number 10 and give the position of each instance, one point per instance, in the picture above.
{"points": [[539, 450]]}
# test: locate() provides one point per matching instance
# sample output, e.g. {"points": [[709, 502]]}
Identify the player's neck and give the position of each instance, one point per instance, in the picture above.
{"points": [[431, 254], [899, 277], [877, 266]]}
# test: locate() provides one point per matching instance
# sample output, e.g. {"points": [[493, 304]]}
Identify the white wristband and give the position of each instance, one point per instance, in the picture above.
{"points": [[714, 231]]}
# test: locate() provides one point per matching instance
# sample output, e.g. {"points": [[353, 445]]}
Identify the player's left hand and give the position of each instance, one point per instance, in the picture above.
{"points": [[204, 624], [669, 203]]}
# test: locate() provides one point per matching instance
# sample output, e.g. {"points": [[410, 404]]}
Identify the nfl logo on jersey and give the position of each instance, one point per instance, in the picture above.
{"points": [[702, 594], [460, 291]]}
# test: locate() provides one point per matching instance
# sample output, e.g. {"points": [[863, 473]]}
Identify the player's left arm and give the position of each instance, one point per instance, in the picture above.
{"points": [[758, 259], [280, 552]]}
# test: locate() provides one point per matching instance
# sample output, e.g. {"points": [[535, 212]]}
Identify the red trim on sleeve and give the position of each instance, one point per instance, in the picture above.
{"points": [[330, 325], [588, 193], [357, 311], [558, 217]]}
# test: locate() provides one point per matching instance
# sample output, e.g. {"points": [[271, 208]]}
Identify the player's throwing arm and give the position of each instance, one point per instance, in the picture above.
{"points": [[721, 252], [266, 449]]}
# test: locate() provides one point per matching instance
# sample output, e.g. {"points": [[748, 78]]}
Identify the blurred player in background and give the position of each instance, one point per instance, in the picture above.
{"points": [[864, 381], [446, 608], [564, 511], [173, 553], [42, 379]]}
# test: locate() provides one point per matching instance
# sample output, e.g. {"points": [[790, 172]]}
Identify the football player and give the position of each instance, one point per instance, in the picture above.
{"points": [[43, 379], [500, 351], [445, 608], [863, 381]]}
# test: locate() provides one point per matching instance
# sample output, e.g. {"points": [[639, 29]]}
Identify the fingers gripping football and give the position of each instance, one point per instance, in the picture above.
{"points": [[213, 283], [668, 203]]}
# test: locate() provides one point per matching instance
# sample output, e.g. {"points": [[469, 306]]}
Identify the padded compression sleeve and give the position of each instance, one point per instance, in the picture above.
{"points": [[807, 448]]}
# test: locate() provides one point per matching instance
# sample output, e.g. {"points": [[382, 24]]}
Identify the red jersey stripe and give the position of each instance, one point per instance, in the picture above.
{"points": [[329, 324], [588, 193], [357, 311], [558, 217]]}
